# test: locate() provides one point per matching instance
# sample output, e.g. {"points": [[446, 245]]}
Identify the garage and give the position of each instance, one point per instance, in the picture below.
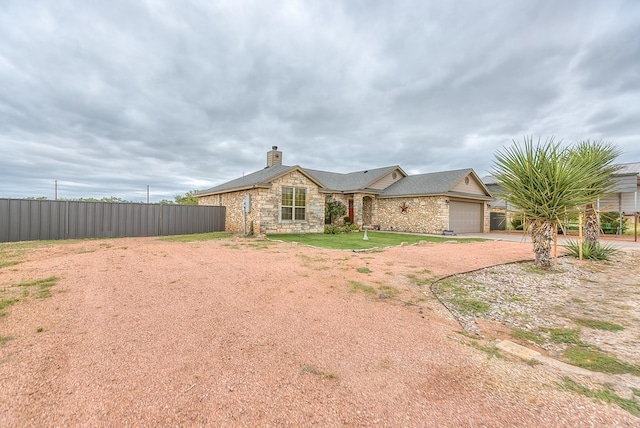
{"points": [[465, 217]]}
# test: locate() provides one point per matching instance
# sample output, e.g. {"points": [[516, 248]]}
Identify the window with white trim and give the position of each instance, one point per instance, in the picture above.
{"points": [[294, 203]]}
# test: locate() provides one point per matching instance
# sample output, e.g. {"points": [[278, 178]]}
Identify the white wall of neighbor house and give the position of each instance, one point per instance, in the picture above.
{"points": [[627, 202]]}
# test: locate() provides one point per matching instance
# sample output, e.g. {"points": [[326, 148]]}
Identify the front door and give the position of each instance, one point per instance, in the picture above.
{"points": [[351, 210]]}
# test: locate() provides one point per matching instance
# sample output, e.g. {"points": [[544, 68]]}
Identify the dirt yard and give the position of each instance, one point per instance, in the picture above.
{"points": [[242, 332]]}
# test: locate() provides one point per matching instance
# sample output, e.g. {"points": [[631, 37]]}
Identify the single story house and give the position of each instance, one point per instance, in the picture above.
{"points": [[291, 199]]}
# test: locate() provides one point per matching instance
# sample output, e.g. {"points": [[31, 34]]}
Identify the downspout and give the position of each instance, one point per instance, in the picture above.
{"points": [[635, 224]]}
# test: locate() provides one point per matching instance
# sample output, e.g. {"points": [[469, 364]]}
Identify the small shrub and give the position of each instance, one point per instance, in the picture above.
{"points": [[363, 270], [610, 223], [347, 220], [336, 230], [333, 209], [331, 230], [516, 224], [598, 251]]}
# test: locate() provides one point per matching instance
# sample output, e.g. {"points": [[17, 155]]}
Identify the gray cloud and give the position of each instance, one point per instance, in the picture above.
{"points": [[109, 97]]}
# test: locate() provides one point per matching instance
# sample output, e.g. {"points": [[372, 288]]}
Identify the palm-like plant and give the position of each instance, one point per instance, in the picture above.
{"points": [[547, 182], [597, 157]]}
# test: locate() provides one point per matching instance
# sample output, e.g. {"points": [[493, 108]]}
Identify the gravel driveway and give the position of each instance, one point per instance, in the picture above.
{"points": [[242, 332]]}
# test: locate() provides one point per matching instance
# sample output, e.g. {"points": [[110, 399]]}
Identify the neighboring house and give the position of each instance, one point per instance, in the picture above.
{"points": [[623, 198], [291, 199]]}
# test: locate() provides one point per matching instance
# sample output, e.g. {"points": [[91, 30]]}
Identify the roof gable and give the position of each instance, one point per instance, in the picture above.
{"points": [[260, 178], [354, 181], [439, 183]]}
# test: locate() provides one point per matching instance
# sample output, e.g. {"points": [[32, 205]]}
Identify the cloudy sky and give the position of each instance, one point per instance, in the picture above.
{"points": [[109, 97]]}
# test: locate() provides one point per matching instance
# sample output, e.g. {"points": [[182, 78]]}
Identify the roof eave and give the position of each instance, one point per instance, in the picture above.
{"points": [[234, 189], [445, 194]]}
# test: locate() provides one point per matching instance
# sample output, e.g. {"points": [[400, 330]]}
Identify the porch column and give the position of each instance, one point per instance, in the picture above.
{"points": [[357, 209]]}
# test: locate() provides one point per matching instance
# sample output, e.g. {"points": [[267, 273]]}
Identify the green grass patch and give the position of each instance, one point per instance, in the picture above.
{"points": [[569, 336], [363, 270], [471, 306], [598, 324], [358, 286], [317, 372], [389, 290], [7, 263], [5, 339], [420, 282], [528, 336], [451, 290], [635, 392], [197, 237], [353, 241], [5, 303], [606, 395], [599, 362], [42, 283], [491, 351], [535, 269], [13, 253]]}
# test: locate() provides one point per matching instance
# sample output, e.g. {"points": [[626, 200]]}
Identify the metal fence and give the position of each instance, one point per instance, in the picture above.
{"points": [[29, 220], [497, 221]]}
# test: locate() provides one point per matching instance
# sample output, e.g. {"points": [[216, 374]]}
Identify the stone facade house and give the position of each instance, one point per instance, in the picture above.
{"points": [[291, 199]]}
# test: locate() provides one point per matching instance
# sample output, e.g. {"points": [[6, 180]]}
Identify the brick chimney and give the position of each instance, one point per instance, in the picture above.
{"points": [[274, 157]]}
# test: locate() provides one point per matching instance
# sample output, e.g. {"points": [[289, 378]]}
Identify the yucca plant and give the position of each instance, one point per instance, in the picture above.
{"points": [[597, 251], [547, 183], [597, 158]]}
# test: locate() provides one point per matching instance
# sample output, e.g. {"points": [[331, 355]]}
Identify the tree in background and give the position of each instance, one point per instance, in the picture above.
{"points": [[186, 199], [548, 182], [598, 157]]}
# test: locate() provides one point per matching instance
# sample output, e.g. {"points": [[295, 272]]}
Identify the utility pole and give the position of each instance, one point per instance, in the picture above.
{"points": [[55, 193], [147, 193]]}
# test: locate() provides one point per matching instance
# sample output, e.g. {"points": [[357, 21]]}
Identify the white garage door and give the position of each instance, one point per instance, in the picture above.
{"points": [[465, 217]]}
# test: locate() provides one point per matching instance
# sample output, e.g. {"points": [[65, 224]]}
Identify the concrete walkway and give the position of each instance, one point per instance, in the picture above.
{"points": [[623, 244]]}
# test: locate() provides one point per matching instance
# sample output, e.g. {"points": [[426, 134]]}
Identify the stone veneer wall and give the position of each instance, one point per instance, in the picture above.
{"points": [[428, 214], [233, 202], [265, 207], [487, 218], [270, 209]]}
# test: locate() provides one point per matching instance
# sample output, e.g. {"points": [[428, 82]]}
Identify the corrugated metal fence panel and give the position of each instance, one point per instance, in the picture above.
{"points": [[27, 220]]}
